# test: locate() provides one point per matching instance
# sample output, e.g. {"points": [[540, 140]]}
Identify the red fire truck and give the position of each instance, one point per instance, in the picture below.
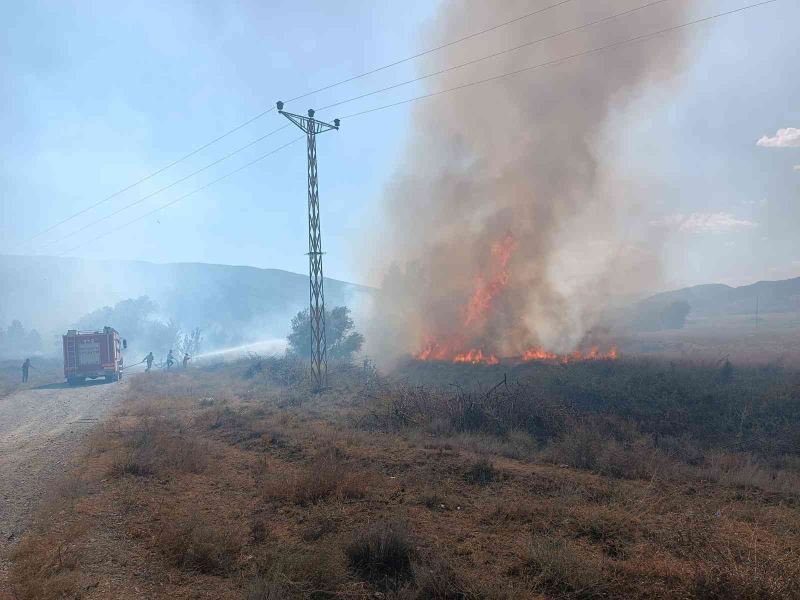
{"points": [[91, 355]]}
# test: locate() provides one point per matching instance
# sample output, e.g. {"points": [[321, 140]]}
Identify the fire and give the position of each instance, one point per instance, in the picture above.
{"points": [[594, 353], [433, 351], [538, 354], [461, 348], [485, 292], [476, 357], [447, 352]]}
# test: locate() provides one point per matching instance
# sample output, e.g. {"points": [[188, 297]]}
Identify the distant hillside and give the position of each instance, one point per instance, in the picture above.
{"points": [[714, 300], [50, 293]]}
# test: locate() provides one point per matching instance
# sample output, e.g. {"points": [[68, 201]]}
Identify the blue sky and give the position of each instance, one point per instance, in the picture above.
{"points": [[96, 95]]}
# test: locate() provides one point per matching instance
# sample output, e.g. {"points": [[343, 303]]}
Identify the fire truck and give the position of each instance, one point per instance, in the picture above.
{"points": [[93, 354]]}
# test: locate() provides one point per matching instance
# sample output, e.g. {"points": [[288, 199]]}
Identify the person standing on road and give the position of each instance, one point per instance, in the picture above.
{"points": [[186, 359], [25, 366], [149, 360], [170, 360]]}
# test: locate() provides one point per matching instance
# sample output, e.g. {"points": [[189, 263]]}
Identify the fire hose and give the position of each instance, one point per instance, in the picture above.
{"points": [[133, 365]]}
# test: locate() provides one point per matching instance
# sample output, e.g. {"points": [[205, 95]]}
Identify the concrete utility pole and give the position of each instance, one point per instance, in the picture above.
{"points": [[316, 292]]}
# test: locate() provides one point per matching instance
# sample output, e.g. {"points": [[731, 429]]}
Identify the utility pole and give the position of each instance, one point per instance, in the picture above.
{"points": [[316, 290]]}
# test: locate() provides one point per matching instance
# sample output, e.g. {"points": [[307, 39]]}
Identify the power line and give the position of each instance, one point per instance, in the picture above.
{"points": [[151, 175], [495, 54], [639, 38], [166, 187], [178, 199], [425, 52], [269, 110]]}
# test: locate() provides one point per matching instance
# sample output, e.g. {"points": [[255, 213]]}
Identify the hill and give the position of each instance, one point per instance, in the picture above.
{"points": [[51, 293], [717, 300]]}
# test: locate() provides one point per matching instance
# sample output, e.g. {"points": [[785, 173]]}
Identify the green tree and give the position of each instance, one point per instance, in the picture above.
{"points": [[135, 319], [342, 339], [130, 317]]}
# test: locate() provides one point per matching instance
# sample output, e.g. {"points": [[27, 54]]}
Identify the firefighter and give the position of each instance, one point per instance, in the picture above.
{"points": [[186, 359], [25, 366], [149, 360], [170, 360]]}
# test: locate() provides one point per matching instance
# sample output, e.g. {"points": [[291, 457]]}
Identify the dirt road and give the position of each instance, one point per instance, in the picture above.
{"points": [[39, 430]]}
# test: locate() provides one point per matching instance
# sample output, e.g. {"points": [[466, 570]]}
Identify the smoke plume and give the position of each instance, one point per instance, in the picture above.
{"points": [[506, 226]]}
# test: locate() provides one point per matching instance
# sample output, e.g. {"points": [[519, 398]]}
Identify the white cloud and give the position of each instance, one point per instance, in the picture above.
{"points": [[785, 138], [796, 168], [719, 222]]}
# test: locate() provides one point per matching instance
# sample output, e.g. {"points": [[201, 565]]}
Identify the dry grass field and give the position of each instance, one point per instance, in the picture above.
{"points": [[630, 479]]}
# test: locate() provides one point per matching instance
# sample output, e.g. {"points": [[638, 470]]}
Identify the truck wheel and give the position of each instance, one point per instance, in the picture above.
{"points": [[113, 377], [73, 381]]}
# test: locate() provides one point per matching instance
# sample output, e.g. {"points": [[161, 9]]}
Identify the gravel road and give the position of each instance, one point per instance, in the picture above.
{"points": [[39, 430]]}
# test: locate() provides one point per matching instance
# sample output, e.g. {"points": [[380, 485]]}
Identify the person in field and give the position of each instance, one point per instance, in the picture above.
{"points": [[170, 360], [186, 359], [149, 360], [25, 366]]}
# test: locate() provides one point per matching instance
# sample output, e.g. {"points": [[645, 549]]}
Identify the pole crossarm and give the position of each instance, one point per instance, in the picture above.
{"points": [[308, 124], [316, 288]]}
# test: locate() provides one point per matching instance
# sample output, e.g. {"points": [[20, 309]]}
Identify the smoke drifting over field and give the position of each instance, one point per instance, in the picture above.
{"points": [[505, 228]]}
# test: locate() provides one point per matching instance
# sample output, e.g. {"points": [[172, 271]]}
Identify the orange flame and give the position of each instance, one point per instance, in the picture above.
{"points": [[594, 353], [433, 351], [476, 357], [485, 292], [453, 348], [538, 354]]}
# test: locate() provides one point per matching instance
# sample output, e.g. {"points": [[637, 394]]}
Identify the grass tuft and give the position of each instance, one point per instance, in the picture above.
{"points": [[382, 555]]}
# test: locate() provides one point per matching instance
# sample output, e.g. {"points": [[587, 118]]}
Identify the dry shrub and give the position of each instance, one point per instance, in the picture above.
{"points": [[613, 530], [319, 524], [63, 494], [284, 371], [45, 566], [747, 471], [154, 445], [553, 566], [186, 453], [587, 448], [503, 511], [294, 572], [382, 555], [513, 444], [199, 544], [261, 588], [481, 472], [437, 580], [236, 426], [328, 475], [433, 500], [724, 572]]}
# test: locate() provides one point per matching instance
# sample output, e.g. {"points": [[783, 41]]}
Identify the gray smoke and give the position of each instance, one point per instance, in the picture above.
{"points": [[527, 157]]}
